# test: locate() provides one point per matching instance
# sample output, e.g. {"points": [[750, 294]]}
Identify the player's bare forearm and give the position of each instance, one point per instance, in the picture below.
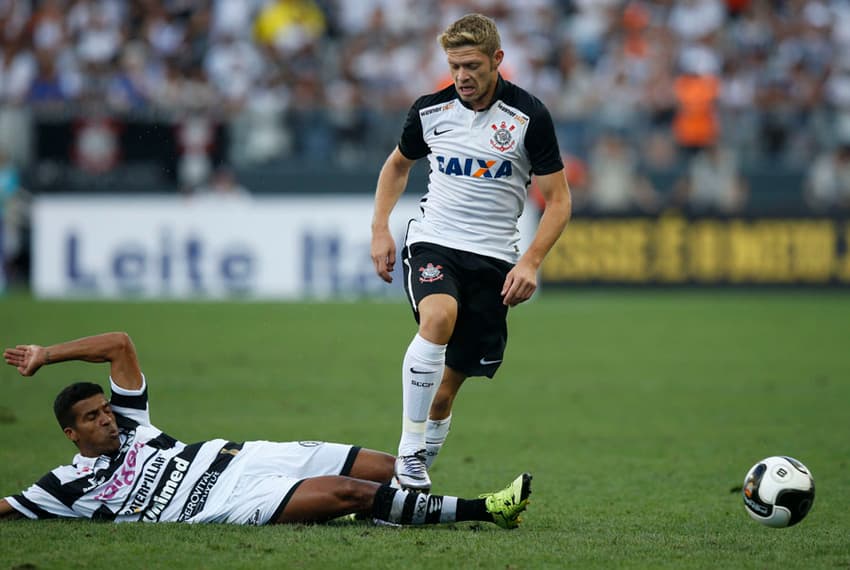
{"points": [[521, 281], [391, 184], [115, 348], [7, 512], [105, 347], [555, 217]]}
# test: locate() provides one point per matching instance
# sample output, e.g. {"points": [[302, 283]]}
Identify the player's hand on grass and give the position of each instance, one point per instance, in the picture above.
{"points": [[383, 253], [520, 284], [27, 358]]}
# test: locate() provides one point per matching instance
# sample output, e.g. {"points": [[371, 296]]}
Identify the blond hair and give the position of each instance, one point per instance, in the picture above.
{"points": [[472, 30]]}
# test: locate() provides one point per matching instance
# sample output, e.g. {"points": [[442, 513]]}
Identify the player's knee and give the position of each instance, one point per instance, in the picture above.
{"points": [[437, 323]]}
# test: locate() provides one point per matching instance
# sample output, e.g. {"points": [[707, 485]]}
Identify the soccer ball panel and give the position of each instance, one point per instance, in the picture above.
{"points": [[778, 491], [797, 503]]}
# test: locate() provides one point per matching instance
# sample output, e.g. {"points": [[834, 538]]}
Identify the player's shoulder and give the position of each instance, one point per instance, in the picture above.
{"points": [[436, 99], [57, 479], [514, 96]]}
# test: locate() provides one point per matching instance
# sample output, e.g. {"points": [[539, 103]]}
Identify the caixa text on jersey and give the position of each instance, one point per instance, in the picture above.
{"points": [[474, 167]]}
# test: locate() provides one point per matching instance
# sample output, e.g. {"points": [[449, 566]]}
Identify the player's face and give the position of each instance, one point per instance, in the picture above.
{"points": [[474, 74], [95, 431]]}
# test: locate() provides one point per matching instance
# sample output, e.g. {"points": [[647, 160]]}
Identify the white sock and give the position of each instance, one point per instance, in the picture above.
{"points": [[422, 371], [436, 432]]}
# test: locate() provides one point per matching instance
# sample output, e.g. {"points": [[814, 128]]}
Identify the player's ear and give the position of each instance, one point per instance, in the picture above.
{"points": [[498, 57], [71, 434]]}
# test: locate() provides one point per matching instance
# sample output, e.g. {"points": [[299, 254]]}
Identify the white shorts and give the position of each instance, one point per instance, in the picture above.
{"points": [[264, 474]]}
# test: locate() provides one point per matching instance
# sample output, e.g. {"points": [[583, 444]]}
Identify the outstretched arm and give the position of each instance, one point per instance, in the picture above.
{"points": [[115, 348]]}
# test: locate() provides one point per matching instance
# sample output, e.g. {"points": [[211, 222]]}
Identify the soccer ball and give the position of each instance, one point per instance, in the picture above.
{"points": [[778, 491]]}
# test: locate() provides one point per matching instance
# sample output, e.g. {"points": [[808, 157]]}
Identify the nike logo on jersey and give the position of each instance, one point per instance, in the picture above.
{"points": [[485, 362], [415, 371], [438, 133]]}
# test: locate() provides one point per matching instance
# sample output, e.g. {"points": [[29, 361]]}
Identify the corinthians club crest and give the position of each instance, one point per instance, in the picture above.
{"points": [[502, 139], [430, 273]]}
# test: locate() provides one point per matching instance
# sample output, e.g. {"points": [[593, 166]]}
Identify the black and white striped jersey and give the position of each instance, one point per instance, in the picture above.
{"points": [[481, 165], [153, 477]]}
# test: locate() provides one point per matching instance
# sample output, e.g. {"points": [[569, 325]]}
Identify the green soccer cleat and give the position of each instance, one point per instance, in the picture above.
{"points": [[506, 505]]}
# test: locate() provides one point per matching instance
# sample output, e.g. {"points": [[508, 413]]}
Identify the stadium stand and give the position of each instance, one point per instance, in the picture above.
{"points": [[155, 95]]}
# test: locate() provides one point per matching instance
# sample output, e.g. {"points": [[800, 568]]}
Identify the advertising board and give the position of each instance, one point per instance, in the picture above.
{"points": [[167, 247]]}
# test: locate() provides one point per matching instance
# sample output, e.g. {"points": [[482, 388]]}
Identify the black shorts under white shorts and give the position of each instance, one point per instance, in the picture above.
{"points": [[475, 281]]}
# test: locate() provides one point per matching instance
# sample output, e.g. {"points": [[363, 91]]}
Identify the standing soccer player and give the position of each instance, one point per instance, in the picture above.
{"points": [[484, 138]]}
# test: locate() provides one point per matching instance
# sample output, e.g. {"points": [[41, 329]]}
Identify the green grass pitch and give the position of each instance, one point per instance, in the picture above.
{"points": [[637, 412]]}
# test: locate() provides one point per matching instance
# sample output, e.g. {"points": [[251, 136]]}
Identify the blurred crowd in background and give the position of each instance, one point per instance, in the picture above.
{"points": [[656, 102]]}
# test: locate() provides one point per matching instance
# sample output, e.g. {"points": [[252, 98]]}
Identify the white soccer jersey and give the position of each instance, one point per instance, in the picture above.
{"points": [[481, 165], [153, 477]]}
